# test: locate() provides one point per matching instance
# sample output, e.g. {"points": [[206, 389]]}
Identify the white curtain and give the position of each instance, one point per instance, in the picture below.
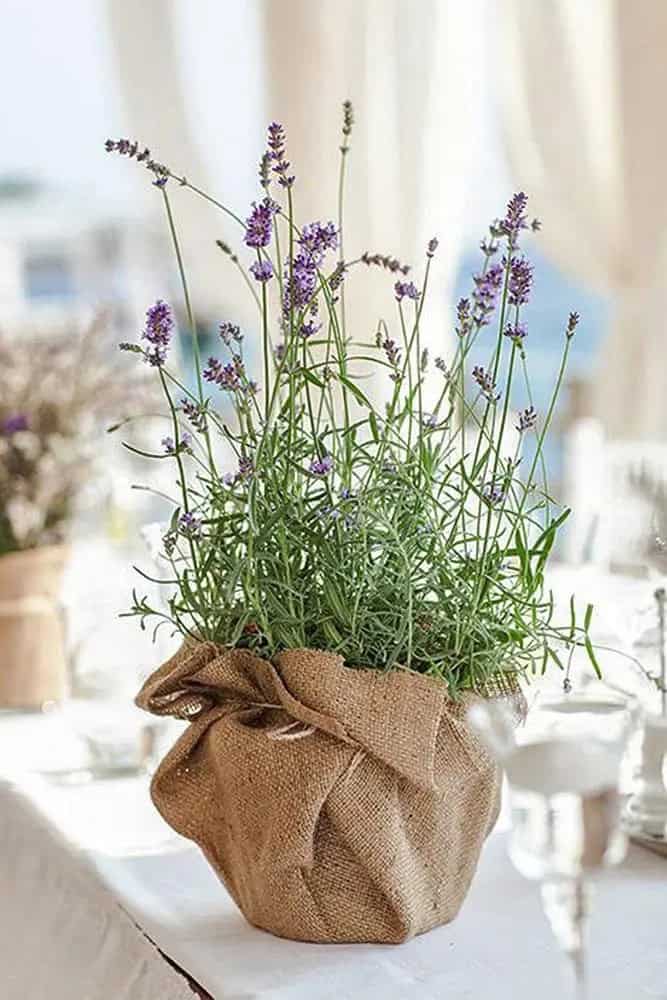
{"points": [[582, 88], [146, 50], [407, 70]]}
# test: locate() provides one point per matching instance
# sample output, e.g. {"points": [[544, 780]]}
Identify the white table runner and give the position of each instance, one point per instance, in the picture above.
{"points": [[83, 868], [68, 912]]}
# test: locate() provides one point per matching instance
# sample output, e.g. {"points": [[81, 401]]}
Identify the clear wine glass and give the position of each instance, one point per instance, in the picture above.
{"points": [[563, 769]]}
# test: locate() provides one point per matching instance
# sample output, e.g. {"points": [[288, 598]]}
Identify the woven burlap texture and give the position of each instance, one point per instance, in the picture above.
{"points": [[336, 805], [33, 668]]}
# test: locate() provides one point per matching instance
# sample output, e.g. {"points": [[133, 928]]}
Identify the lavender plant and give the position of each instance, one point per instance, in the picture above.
{"points": [[403, 533]]}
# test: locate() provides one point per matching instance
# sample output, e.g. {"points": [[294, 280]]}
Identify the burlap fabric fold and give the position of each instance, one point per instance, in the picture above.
{"points": [[33, 667], [336, 805]]}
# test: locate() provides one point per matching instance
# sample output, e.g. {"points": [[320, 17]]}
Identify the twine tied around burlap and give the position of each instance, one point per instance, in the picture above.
{"points": [[336, 804]]}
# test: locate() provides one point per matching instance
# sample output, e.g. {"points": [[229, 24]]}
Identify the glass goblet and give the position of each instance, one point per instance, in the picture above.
{"points": [[563, 770]]}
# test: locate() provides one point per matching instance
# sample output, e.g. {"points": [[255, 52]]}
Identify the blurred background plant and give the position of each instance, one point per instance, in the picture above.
{"points": [[56, 393]]}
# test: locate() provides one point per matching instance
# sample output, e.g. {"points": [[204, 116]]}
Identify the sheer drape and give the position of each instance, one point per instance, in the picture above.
{"points": [[408, 72], [582, 101], [407, 69]]}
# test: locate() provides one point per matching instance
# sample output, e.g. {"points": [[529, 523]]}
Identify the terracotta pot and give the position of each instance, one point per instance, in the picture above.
{"points": [[33, 666]]}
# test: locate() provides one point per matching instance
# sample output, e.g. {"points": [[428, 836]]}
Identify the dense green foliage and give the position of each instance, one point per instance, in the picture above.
{"points": [[378, 517]]}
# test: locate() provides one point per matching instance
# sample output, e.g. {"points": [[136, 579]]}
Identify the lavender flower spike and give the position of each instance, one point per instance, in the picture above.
{"points": [[527, 419], [515, 217], [486, 383], [276, 144], [159, 325], [516, 332], [195, 414], [259, 223], [229, 332], [520, 281], [406, 289], [485, 295], [572, 323]]}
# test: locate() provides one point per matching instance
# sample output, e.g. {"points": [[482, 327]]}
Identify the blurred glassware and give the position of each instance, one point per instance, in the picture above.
{"points": [[120, 739], [564, 771]]}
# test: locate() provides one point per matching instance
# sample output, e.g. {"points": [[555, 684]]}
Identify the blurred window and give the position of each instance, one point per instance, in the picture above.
{"points": [[48, 276]]}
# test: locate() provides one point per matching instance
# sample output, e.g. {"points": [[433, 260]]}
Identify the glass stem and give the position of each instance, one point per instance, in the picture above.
{"points": [[566, 905]]}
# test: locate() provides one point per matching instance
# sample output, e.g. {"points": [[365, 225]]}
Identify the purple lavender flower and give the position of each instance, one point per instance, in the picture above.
{"points": [[317, 238], [406, 289], [390, 348], [384, 260], [515, 217], [516, 332], [230, 332], [133, 151], [485, 294], [300, 285], [279, 352], [309, 329], [520, 281], [432, 247], [262, 270], [159, 324], [195, 414], [246, 467], [321, 466], [463, 317], [527, 419], [572, 323], [259, 224], [486, 383], [301, 278], [430, 421], [441, 365], [13, 424], [493, 493], [227, 377], [336, 278], [276, 144], [190, 525], [184, 444], [229, 479]]}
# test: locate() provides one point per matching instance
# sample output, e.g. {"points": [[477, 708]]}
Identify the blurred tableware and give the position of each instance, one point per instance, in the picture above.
{"points": [[646, 809], [119, 738], [564, 771]]}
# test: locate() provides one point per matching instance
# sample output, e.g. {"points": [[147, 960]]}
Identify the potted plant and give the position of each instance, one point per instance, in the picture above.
{"points": [[54, 389], [361, 572]]}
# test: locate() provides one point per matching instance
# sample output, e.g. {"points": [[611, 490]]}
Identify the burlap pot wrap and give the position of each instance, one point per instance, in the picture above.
{"points": [[336, 805], [33, 668]]}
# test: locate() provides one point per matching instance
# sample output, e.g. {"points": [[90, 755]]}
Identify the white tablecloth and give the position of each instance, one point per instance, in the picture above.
{"points": [[89, 873]]}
